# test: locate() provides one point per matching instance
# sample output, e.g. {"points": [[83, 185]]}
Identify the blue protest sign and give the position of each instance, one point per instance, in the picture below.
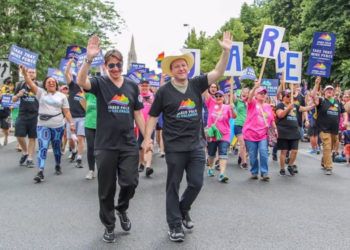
{"points": [[23, 57], [271, 85], [135, 76], [137, 66], [225, 85], [63, 66], [56, 74], [195, 70], [248, 73], [6, 101], [234, 66], [74, 51], [96, 62], [322, 53], [292, 69], [279, 62], [270, 42], [153, 79]]}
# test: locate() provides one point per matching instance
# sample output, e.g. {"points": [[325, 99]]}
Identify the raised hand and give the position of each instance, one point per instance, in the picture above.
{"points": [[93, 47], [226, 42], [318, 80]]}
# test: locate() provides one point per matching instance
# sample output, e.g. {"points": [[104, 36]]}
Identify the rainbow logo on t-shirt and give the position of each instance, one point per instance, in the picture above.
{"points": [[188, 104], [333, 108], [320, 66], [120, 100], [325, 37]]}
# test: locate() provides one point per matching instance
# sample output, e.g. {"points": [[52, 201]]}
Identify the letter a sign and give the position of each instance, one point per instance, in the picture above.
{"points": [[270, 42]]}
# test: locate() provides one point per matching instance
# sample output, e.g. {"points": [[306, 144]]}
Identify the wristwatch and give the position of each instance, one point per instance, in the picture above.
{"points": [[87, 60]]}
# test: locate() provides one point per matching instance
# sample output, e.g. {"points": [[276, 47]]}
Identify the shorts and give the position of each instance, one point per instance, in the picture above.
{"points": [[223, 147], [24, 128], [140, 139], [347, 150], [238, 130], [79, 124], [312, 131], [5, 123], [287, 144]]}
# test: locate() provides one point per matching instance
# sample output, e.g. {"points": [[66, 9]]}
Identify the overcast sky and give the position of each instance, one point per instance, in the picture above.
{"points": [[157, 25]]}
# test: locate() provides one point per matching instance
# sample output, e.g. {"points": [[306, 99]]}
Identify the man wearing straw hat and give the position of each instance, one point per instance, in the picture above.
{"points": [[180, 101]]}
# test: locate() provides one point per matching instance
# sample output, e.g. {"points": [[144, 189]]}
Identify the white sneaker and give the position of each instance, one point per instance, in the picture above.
{"points": [[90, 175]]}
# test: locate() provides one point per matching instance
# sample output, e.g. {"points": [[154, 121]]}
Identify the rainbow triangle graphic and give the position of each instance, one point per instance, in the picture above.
{"points": [[188, 104], [320, 66], [120, 100], [326, 37]]}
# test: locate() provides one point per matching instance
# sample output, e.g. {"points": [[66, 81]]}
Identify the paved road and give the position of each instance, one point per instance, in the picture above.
{"points": [[309, 211]]}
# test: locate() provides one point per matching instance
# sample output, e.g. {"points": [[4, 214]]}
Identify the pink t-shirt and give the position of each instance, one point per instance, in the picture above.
{"points": [[256, 127], [210, 103], [147, 100], [221, 114]]}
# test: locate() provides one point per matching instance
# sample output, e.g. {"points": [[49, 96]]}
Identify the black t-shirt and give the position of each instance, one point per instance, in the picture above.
{"points": [[329, 115], [299, 100], [29, 106], [75, 96], [182, 114], [115, 113], [287, 126]]}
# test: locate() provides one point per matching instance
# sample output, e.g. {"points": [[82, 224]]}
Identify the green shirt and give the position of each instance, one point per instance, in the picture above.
{"points": [[241, 109], [90, 115]]}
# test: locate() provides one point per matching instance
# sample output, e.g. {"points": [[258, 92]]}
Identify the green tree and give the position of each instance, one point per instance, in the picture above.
{"points": [[47, 27]]}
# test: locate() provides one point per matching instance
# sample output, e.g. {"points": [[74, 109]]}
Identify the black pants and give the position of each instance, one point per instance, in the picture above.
{"points": [[90, 139], [110, 164], [193, 163]]}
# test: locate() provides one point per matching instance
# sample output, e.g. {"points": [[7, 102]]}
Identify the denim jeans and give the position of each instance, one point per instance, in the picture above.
{"points": [[253, 148], [223, 147]]}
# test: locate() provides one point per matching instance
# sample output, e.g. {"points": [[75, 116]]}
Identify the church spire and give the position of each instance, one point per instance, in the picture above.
{"points": [[132, 53]]}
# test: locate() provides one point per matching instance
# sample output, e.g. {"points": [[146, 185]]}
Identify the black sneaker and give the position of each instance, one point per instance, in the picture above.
{"points": [[274, 157], [141, 168], [295, 168], [239, 160], [291, 170], [30, 164], [149, 171], [244, 166], [72, 157], [39, 177], [109, 236], [265, 178], [23, 160], [58, 170], [282, 172], [186, 220], [176, 234], [79, 163], [124, 221]]}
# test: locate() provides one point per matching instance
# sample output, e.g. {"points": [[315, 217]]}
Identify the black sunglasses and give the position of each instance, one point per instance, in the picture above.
{"points": [[113, 65], [217, 96]]}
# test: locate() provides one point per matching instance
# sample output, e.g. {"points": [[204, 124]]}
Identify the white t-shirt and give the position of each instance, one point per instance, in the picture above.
{"points": [[51, 104]]}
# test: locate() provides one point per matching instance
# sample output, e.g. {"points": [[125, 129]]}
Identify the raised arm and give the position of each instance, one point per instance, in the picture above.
{"points": [[92, 50], [67, 72], [252, 92], [27, 79], [315, 90], [220, 67]]}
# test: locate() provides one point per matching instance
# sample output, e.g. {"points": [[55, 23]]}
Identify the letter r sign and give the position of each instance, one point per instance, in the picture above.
{"points": [[270, 42]]}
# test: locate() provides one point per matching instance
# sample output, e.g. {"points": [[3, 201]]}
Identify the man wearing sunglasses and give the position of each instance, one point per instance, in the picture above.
{"points": [[180, 100], [118, 106], [288, 131]]}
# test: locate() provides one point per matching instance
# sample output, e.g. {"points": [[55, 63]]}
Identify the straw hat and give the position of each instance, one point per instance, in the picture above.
{"points": [[168, 60]]}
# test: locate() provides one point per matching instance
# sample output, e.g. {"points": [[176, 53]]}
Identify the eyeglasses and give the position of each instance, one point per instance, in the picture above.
{"points": [[218, 96], [262, 93], [113, 65]]}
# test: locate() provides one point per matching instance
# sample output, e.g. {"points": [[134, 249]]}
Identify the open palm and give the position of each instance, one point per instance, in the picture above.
{"points": [[93, 47], [226, 42]]}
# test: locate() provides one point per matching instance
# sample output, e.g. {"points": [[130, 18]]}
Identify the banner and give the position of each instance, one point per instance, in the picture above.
{"points": [[63, 66], [270, 42], [293, 67], [195, 70], [74, 51], [235, 62], [271, 85], [225, 85], [56, 74], [153, 79], [137, 66], [96, 62], [23, 57], [135, 76], [279, 62], [322, 53], [6, 101], [248, 73]]}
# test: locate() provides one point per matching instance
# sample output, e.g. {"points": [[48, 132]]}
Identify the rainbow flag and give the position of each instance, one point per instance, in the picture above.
{"points": [[159, 59]]}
